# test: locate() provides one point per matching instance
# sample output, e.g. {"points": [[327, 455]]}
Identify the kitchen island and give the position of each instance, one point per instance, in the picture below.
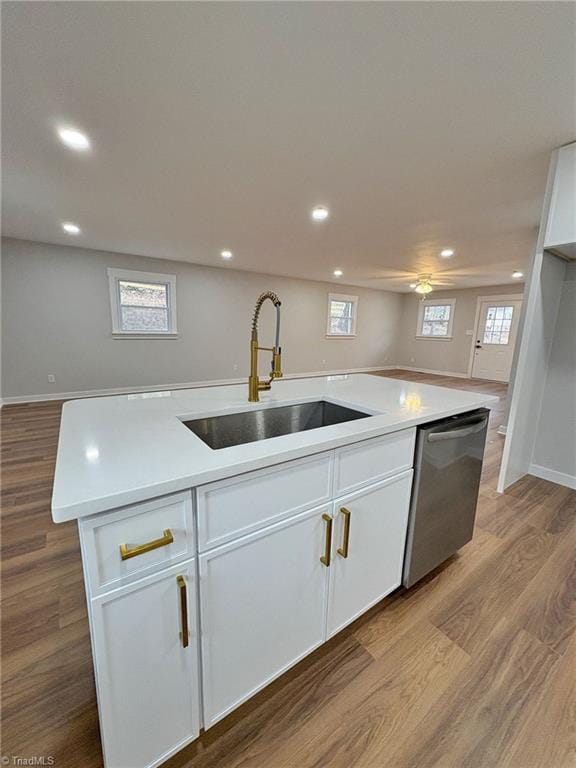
{"points": [[209, 572]]}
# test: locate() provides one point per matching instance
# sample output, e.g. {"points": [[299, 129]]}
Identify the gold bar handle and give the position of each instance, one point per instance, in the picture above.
{"points": [[325, 559], [126, 553], [183, 610], [343, 550]]}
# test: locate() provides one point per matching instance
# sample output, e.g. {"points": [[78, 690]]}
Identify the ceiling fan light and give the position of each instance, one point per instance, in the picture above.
{"points": [[423, 286]]}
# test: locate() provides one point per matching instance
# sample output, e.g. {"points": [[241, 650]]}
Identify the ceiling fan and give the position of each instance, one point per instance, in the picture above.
{"points": [[426, 282], [435, 280]]}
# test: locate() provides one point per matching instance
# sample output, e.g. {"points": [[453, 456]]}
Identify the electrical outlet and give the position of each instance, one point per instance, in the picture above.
{"points": [[51, 378], [411, 359], [235, 367]]}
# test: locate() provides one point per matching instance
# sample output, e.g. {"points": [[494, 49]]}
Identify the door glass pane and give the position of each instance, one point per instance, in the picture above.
{"points": [[498, 325]]}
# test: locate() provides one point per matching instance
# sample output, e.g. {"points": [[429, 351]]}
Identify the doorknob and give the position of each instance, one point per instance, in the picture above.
{"points": [[478, 346]]}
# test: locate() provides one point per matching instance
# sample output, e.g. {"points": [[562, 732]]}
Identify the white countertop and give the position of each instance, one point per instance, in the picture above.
{"points": [[114, 451]]}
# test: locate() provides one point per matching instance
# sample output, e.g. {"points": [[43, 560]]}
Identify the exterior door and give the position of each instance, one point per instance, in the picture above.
{"points": [[495, 339]]}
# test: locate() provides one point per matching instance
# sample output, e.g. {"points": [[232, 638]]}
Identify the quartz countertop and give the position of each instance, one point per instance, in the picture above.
{"points": [[114, 451]]}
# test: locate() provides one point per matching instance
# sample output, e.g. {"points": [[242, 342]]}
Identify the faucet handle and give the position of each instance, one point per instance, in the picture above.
{"points": [[276, 371]]}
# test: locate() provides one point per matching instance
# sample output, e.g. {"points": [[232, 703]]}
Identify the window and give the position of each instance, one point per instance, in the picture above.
{"points": [[143, 304], [341, 315], [435, 318], [498, 325]]}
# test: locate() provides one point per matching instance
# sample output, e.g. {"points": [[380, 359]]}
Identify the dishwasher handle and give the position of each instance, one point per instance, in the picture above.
{"points": [[454, 434]]}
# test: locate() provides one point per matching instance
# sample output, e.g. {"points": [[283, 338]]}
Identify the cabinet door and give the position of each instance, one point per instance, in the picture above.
{"points": [[377, 518], [263, 607], [561, 225], [147, 680]]}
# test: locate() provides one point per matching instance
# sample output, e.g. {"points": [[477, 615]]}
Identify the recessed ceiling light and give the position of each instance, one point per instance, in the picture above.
{"points": [[413, 285], [74, 139], [338, 273], [446, 253], [320, 213], [517, 274], [226, 254], [72, 229]]}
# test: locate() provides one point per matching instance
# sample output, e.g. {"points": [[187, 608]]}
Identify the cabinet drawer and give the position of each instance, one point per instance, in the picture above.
{"points": [[166, 524], [230, 508], [372, 460]]}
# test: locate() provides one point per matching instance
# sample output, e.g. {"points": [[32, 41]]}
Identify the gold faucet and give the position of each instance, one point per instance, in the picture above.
{"points": [[254, 384]]}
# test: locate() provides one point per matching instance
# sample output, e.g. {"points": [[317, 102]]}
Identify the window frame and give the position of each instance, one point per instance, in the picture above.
{"points": [[341, 297], [115, 276], [435, 303]]}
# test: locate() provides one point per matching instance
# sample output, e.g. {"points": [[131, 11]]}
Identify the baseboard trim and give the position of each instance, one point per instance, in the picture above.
{"points": [[187, 385], [432, 371], [560, 478]]}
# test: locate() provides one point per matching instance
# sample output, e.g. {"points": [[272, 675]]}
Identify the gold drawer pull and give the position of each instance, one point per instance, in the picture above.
{"points": [[126, 553], [183, 610], [325, 559], [343, 550]]}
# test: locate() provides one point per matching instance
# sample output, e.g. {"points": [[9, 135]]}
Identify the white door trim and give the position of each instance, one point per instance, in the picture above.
{"points": [[479, 300]]}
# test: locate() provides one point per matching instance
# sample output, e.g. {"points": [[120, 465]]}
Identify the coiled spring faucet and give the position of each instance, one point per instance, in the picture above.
{"points": [[254, 384]]}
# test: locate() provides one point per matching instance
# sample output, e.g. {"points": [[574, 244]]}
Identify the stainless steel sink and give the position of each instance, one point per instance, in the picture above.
{"points": [[249, 426]]}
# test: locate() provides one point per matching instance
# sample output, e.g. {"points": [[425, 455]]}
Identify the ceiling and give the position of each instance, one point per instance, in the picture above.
{"points": [[219, 125]]}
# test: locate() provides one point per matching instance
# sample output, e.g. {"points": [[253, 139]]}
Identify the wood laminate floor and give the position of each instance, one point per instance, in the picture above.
{"points": [[475, 667]]}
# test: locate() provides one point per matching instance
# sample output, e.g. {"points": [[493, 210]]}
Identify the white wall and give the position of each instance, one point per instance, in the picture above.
{"points": [[542, 301], [56, 320], [450, 356], [1, 334], [555, 443]]}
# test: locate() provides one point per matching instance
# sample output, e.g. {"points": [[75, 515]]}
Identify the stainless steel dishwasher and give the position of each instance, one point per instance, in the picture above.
{"points": [[447, 469]]}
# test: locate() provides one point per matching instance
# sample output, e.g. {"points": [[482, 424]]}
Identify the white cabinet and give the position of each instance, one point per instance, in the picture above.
{"points": [[263, 603], [147, 679], [163, 529], [228, 509], [367, 564], [269, 598], [369, 461], [561, 224], [273, 586]]}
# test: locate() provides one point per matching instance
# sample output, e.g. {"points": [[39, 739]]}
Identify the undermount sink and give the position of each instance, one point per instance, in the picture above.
{"points": [[249, 426]]}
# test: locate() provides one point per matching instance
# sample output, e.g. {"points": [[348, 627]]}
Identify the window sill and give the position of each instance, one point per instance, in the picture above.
{"points": [[145, 336], [340, 335], [434, 338]]}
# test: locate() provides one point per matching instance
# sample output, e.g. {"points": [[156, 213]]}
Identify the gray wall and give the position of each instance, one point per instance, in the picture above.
{"points": [[56, 320], [555, 444], [451, 356]]}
